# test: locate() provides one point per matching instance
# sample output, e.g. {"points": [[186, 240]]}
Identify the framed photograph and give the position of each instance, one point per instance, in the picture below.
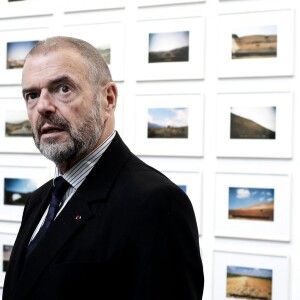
{"points": [[250, 276], [16, 185], [109, 40], [169, 125], [255, 125], [253, 206], [6, 244], [170, 49], [191, 184], [14, 46], [256, 44], [15, 129], [142, 3]]}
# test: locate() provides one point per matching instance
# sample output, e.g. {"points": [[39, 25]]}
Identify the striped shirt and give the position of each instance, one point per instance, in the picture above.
{"points": [[76, 175]]}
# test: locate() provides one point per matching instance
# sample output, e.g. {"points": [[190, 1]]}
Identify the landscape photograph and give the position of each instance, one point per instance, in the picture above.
{"points": [[17, 124], [6, 255], [168, 47], [254, 42], [17, 190], [105, 52], [16, 53], [183, 187], [249, 283], [251, 203], [253, 122], [168, 122]]}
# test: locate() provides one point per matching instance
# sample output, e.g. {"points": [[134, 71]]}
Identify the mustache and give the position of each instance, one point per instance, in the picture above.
{"points": [[52, 120]]}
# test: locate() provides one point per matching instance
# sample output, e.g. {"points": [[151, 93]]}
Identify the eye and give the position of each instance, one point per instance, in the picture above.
{"points": [[31, 96], [63, 89]]}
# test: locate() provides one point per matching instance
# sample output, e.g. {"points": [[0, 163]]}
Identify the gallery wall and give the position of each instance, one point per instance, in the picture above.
{"points": [[207, 95]]}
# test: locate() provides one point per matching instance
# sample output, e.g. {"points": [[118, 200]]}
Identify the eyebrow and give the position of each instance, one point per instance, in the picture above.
{"points": [[56, 81]]}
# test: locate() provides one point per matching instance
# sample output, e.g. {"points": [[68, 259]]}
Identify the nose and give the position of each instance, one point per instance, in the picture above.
{"points": [[45, 104]]}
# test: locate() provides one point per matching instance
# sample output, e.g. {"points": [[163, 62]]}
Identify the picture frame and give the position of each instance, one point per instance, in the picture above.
{"points": [[256, 44], [169, 125], [255, 125], [6, 244], [191, 184], [110, 43], [16, 184], [144, 3], [170, 49], [14, 46], [78, 5], [15, 128], [242, 275], [253, 206], [21, 8]]}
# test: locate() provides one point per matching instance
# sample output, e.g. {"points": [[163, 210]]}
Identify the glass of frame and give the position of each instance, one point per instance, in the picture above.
{"points": [[6, 244], [14, 46], [256, 44], [15, 129], [108, 39], [255, 125], [250, 276], [191, 184], [169, 125], [253, 206], [16, 184], [170, 49]]}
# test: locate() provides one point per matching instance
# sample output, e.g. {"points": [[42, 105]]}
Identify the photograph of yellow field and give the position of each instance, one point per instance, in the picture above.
{"points": [[249, 283], [254, 42], [251, 203]]}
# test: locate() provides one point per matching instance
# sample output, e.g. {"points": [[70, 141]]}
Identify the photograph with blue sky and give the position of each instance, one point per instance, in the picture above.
{"points": [[168, 122], [168, 46], [16, 53], [251, 272], [241, 197], [15, 190]]}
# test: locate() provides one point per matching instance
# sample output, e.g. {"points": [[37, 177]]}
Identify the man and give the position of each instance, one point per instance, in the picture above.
{"points": [[123, 230]]}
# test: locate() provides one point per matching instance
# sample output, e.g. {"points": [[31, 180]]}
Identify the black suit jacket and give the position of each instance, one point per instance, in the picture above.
{"points": [[127, 233]]}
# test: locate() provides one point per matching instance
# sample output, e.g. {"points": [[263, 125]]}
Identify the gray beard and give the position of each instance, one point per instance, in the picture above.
{"points": [[80, 142]]}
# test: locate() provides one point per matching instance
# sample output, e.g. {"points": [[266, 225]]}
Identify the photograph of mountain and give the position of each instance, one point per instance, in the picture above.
{"points": [[168, 47], [105, 52], [17, 124], [254, 42], [249, 283], [168, 122], [253, 122], [251, 203]]}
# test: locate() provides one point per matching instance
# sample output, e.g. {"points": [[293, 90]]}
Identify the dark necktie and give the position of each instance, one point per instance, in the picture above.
{"points": [[59, 189]]}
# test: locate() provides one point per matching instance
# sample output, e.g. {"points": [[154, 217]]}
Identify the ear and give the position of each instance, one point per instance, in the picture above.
{"points": [[111, 93]]}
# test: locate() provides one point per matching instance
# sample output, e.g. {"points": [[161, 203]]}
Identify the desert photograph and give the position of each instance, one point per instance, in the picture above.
{"points": [[253, 122], [168, 47], [17, 190], [105, 52], [254, 42], [168, 122], [16, 53], [249, 283], [251, 203], [17, 124]]}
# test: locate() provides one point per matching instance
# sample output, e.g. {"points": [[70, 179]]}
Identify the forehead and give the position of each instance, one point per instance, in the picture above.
{"points": [[43, 67]]}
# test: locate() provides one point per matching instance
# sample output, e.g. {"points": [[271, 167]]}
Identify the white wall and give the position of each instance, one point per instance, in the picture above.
{"points": [[122, 21]]}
